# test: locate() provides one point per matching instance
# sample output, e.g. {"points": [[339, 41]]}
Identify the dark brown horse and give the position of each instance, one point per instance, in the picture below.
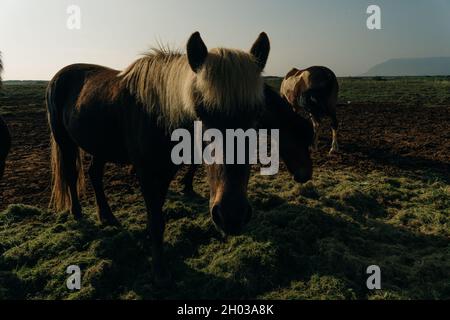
{"points": [[128, 117], [296, 136], [5, 138], [314, 90]]}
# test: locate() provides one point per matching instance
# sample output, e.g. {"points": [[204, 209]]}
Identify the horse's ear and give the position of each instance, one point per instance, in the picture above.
{"points": [[196, 51], [260, 50]]}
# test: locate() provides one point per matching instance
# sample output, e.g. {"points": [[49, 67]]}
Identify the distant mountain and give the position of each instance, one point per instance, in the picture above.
{"points": [[412, 67]]}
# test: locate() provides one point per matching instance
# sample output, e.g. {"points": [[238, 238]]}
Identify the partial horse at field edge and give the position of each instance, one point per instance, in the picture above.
{"points": [[5, 137]]}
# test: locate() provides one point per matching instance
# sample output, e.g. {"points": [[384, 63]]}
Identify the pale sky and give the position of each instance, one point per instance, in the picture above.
{"points": [[36, 42]]}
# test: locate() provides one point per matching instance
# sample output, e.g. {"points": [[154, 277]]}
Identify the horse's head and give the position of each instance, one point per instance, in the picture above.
{"points": [[296, 135], [229, 90]]}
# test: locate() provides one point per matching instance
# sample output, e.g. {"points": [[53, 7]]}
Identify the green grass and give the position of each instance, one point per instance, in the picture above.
{"points": [[313, 241], [29, 95], [426, 91], [305, 242]]}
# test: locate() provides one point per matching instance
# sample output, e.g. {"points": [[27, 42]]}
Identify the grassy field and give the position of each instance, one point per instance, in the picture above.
{"points": [[424, 91], [384, 201]]}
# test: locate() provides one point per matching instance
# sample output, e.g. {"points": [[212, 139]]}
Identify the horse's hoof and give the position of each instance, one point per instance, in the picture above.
{"points": [[110, 221]]}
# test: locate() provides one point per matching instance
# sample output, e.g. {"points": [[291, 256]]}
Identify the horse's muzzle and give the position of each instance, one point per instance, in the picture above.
{"points": [[300, 177], [231, 223]]}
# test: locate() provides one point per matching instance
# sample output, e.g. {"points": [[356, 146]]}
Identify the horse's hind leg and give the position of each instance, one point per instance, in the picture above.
{"points": [[188, 180], [334, 130], [104, 212], [316, 126]]}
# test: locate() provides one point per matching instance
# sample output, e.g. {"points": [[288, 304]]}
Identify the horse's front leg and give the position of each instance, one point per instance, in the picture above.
{"points": [[334, 130], [316, 126], [188, 180], [154, 186]]}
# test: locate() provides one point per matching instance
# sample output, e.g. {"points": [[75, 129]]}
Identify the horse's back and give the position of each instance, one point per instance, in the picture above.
{"points": [[68, 83], [85, 101], [294, 72], [318, 78], [324, 80], [73, 76]]}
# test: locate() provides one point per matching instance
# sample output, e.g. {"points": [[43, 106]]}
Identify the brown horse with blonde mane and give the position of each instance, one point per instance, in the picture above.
{"points": [[5, 137], [127, 117]]}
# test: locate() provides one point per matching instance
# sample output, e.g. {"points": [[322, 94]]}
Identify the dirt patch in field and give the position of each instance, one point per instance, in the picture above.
{"points": [[414, 140], [390, 138]]}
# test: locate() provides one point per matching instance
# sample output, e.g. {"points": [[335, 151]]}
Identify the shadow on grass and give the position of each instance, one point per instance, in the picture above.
{"points": [[288, 252], [292, 244], [419, 167]]}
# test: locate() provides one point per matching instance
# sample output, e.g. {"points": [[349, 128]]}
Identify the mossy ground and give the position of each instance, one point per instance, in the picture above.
{"points": [[384, 201], [305, 242]]}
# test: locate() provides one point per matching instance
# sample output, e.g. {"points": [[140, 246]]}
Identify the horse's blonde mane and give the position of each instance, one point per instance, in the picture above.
{"points": [[165, 84], [231, 79]]}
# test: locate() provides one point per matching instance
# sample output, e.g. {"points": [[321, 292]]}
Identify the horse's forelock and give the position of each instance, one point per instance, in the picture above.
{"points": [[163, 82], [230, 80]]}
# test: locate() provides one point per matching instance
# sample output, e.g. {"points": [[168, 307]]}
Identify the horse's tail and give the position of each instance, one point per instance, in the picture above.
{"points": [[62, 163], [66, 157]]}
